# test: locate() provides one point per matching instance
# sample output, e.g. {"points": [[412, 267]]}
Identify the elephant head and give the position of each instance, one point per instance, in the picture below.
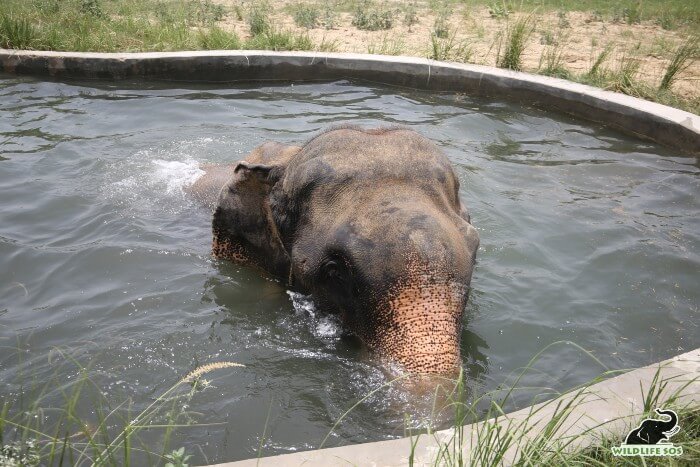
{"points": [[371, 224], [651, 431]]}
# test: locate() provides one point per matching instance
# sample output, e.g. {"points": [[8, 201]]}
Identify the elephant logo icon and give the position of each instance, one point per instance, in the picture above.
{"points": [[650, 438], [653, 431]]}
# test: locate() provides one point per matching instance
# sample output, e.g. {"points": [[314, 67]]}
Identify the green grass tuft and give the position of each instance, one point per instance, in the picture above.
{"points": [[368, 16], [551, 61], [441, 27], [516, 38], [410, 14], [259, 17], [17, 33], [598, 63], [216, 38], [279, 40], [624, 78], [450, 49], [387, 46], [683, 57], [500, 9], [306, 15]]}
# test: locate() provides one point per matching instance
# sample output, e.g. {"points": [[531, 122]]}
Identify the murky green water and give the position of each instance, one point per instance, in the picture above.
{"points": [[586, 235]]}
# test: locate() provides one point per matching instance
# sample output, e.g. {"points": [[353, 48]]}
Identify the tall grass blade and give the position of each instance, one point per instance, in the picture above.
{"points": [[516, 39], [683, 57]]}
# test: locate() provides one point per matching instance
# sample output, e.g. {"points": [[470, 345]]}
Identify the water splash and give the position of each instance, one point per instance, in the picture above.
{"points": [[325, 327], [303, 304], [162, 176], [155, 179], [176, 175]]}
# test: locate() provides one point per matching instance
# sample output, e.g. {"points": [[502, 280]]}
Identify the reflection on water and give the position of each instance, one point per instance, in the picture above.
{"points": [[586, 236]]}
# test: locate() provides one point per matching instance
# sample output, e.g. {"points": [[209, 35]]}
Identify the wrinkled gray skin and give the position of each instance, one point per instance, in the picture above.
{"points": [[369, 221]]}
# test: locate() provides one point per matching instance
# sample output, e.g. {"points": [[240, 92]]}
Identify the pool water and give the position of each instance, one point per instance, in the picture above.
{"points": [[587, 236]]}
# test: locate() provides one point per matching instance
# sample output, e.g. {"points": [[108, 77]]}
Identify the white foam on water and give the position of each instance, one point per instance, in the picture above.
{"points": [[176, 175], [303, 304], [326, 327], [154, 179], [170, 177]]}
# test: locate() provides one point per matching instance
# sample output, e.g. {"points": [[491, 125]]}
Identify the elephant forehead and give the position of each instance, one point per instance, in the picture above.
{"points": [[328, 177], [340, 158], [407, 216], [370, 205]]}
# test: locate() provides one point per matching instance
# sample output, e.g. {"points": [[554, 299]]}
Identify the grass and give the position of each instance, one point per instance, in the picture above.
{"points": [[33, 434], [273, 39], [387, 46], [535, 440], [517, 34], [551, 62], [597, 65], [258, 17], [218, 39], [682, 58], [410, 14], [450, 49], [369, 16], [441, 26], [670, 14], [306, 15], [455, 35], [129, 26], [624, 78], [16, 33], [500, 9]]}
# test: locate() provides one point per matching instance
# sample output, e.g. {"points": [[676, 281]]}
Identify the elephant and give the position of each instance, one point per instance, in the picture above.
{"points": [[651, 431], [369, 222]]}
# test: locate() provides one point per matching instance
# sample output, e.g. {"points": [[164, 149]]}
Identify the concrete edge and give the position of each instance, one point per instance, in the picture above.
{"points": [[665, 125], [611, 407]]}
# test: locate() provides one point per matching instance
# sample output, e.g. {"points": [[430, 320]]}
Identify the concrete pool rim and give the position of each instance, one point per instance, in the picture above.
{"points": [[665, 125]]}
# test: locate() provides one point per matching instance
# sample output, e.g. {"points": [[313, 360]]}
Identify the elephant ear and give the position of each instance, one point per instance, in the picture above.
{"points": [[244, 229]]}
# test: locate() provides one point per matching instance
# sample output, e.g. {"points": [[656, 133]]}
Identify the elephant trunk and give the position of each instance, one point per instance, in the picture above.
{"points": [[422, 328], [668, 426]]}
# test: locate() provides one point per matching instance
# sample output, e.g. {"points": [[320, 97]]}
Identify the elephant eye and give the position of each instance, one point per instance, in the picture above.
{"points": [[335, 271], [331, 271]]}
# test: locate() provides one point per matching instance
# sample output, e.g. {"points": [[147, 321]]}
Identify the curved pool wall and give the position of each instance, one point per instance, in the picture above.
{"points": [[665, 125]]}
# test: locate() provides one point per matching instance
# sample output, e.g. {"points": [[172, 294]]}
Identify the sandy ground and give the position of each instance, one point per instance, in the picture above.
{"points": [[580, 37]]}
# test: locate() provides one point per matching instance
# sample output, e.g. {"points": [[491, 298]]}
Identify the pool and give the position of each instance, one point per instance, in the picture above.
{"points": [[586, 235]]}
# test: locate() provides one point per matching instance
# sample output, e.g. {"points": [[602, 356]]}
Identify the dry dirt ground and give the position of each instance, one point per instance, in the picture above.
{"points": [[579, 36]]}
